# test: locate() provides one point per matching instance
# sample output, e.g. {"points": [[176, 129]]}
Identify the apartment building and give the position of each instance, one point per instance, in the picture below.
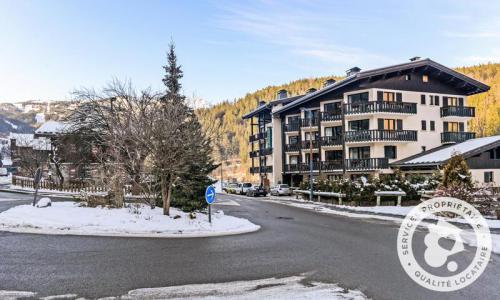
{"points": [[361, 124]]}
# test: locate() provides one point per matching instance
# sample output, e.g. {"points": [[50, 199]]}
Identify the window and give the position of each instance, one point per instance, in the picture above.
{"points": [[333, 131], [424, 125], [388, 96], [294, 159], [433, 125], [425, 78], [314, 136], [407, 77], [436, 100], [422, 99], [488, 177], [293, 119], [359, 125], [390, 124], [453, 126], [269, 138], [355, 98], [313, 113], [332, 107], [359, 152], [294, 139], [333, 155], [390, 152], [495, 153], [315, 157]]}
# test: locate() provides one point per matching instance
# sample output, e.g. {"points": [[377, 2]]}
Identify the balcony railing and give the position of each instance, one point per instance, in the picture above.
{"points": [[314, 122], [335, 140], [458, 111], [331, 116], [307, 144], [261, 169], [380, 106], [456, 137], [261, 152], [295, 126], [361, 164], [381, 135], [292, 147], [257, 136]]}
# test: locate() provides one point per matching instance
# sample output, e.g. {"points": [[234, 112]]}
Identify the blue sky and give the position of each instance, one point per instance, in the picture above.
{"points": [[229, 48]]}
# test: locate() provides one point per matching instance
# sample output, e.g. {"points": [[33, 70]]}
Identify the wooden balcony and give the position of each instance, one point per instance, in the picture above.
{"points": [[307, 144], [458, 111], [380, 107], [314, 122], [261, 152], [456, 137], [261, 169], [376, 135], [293, 147], [331, 116], [257, 137], [364, 164], [295, 126], [335, 140]]}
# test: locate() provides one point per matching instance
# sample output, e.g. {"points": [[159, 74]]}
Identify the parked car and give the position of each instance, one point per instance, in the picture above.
{"points": [[232, 188], [256, 191], [281, 190], [244, 188], [4, 172]]}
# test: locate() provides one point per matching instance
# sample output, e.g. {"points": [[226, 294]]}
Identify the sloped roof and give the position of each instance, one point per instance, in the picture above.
{"points": [[479, 87], [441, 154], [270, 105], [51, 127]]}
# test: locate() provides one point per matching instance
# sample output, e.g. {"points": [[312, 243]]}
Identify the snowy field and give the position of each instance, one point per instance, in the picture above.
{"points": [[69, 218], [288, 288]]}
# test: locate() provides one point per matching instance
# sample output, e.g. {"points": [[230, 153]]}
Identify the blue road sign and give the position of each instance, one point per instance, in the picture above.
{"points": [[210, 194]]}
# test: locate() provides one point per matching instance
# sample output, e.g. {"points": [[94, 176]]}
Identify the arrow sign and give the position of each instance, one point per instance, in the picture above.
{"points": [[210, 194]]}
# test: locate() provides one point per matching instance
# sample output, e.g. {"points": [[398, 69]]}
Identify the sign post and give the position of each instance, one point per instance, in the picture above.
{"points": [[36, 182], [210, 198]]}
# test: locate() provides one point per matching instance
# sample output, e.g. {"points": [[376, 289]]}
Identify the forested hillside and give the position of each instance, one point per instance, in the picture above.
{"points": [[224, 120]]}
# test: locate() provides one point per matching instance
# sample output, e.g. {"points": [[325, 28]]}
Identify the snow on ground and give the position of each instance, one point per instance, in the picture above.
{"points": [[6, 179], [288, 288], [140, 221], [13, 295]]}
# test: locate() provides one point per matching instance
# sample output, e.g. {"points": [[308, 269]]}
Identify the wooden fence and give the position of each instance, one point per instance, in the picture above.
{"points": [[73, 187]]}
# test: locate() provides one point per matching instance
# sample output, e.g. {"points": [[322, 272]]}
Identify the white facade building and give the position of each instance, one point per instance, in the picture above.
{"points": [[361, 124]]}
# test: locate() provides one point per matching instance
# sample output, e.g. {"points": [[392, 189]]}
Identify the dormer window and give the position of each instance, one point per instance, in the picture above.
{"points": [[407, 77], [425, 78]]}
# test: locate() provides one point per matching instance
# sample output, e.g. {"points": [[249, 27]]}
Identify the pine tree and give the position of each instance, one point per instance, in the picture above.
{"points": [[456, 173], [183, 150]]}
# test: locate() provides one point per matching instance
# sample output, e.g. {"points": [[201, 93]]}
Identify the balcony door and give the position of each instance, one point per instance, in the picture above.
{"points": [[359, 152], [315, 157], [314, 136], [453, 127], [333, 155], [333, 107], [358, 125], [390, 124], [333, 131]]}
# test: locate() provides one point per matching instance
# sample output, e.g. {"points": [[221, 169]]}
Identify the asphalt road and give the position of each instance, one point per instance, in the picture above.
{"points": [[356, 253]]}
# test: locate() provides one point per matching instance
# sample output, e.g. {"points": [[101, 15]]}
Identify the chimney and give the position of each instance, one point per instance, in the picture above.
{"points": [[282, 94], [352, 71], [328, 82], [262, 103], [311, 90], [415, 58]]}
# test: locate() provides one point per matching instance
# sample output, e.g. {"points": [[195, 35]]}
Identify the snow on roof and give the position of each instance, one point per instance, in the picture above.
{"points": [[28, 140], [448, 152], [51, 127]]}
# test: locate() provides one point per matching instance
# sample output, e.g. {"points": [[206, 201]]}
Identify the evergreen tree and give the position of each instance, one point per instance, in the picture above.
{"points": [[183, 150], [457, 173]]}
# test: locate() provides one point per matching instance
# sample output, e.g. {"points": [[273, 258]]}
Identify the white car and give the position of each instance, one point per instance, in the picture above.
{"points": [[243, 189], [4, 172], [281, 190], [232, 188]]}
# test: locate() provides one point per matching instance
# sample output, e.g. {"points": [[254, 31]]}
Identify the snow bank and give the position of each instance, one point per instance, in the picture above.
{"points": [[287, 288], [44, 202], [140, 221]]}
